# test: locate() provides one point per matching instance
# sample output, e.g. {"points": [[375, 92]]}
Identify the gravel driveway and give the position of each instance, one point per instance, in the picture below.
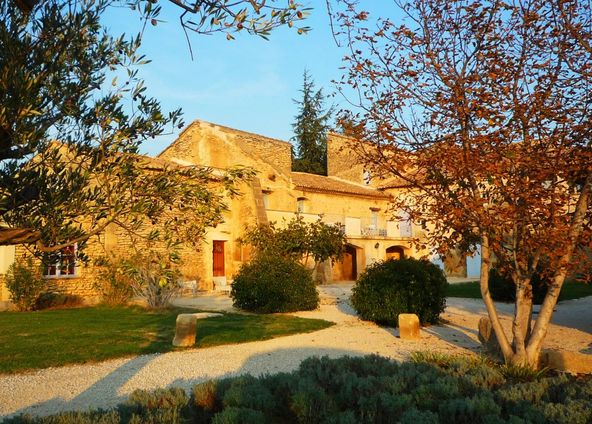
{"points": [[105, 384]]}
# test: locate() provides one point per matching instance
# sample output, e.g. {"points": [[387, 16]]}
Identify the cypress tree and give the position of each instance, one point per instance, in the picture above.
{"points": [[310, 130]]}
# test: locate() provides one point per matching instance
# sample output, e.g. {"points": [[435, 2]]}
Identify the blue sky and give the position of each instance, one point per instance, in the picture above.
{"points": [[248, 83]]}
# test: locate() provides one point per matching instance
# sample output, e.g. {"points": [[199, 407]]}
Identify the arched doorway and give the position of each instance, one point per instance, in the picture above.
{"points": [[395, 252], [346, 269]]}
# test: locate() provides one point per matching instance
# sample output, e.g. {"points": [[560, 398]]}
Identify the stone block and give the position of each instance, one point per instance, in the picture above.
{"points": [[185, 330], [572, 362], [409, 326], [487, 336]]}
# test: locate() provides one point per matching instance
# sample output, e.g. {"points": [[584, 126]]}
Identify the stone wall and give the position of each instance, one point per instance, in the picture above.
{"points": [[342, 161], [83, 283], [114, 242], [206, 144], [4, 293], [278, 153], [118, 243]]}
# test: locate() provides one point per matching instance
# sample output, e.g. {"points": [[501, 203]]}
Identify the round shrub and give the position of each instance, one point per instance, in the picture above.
{"points": [[387, 289], [271, 284]]}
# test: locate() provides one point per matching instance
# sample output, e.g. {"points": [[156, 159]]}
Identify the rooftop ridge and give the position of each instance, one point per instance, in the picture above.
{"points": [[224, 128]]}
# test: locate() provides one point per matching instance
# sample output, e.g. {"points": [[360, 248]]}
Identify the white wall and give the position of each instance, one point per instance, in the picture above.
{"points": [[6, 258], [474, 264]]}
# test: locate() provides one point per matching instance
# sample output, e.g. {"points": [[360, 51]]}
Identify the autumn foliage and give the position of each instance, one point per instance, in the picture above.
{"points": [[480, 110]]}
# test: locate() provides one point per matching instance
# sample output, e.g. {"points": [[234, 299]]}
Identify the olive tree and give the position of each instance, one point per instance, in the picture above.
{"points": [[74, 112]]}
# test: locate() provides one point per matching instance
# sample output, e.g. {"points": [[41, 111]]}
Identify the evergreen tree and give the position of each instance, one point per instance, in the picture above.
{"points": [[310, 130]]}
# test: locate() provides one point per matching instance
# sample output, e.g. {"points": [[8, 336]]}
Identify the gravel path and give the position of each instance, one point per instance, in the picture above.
{"points": [[105, 384]]}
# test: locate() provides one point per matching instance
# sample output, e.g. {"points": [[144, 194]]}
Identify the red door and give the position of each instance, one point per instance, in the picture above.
{"points": [[218, 254]]}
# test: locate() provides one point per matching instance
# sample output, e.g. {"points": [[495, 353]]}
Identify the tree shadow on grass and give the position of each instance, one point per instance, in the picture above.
{"points": [[106, 390]]}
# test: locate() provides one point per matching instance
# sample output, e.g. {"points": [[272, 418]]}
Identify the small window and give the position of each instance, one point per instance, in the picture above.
{"points": [[266, 200], [367, 177], [374, 221], [300, 206], [405, 224], [62, 263]]}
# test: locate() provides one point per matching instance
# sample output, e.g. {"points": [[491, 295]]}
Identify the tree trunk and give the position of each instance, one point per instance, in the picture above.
{"points": [[541, 325], [521, 325], [535, 343], [319, 273], [505, 347]]}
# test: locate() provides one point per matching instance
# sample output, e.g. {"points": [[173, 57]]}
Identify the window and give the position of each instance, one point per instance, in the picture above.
{"points": [[367, 177], [62, 263], [405, 224], [300, 204], [374, 220]]}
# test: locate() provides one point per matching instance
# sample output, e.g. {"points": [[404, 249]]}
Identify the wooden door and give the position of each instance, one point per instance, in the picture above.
{"points": [[350, 264], [218, 255]]}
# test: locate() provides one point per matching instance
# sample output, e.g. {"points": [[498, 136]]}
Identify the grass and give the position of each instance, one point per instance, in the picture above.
{"points": [[570, 290], [32, 340], [468, 290]]}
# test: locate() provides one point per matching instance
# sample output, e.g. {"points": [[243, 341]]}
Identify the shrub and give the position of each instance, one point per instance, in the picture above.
{"points": [[155, 407], [235, 415], [73, 417], [154, 277], [25, 284], [371, 389], [205, 395], [503, 289], [387, 289], [113, 283], [247, 391], [271, 284], [57, 300]]}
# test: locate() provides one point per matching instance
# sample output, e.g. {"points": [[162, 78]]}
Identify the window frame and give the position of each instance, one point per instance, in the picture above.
{"points": [[57, 266], [301, 205]]}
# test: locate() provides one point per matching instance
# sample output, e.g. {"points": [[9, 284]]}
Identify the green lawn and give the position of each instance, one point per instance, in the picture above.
{"points": [[467, 290], [30, 340], [471, 290]]}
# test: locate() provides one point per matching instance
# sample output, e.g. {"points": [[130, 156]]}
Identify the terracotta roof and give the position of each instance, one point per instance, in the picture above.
{"points": [[321, 183], [394, 182]]}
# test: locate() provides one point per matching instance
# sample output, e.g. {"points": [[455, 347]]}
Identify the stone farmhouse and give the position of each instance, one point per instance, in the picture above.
{"points": [[348, 196]]}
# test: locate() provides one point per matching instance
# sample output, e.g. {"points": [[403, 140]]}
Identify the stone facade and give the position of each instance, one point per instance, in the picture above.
{"points": [[277, 194], [274, 194], [340, 161], [82, 283]]}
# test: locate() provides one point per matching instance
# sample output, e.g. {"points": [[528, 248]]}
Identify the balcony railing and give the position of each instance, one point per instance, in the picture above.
{"points": [[352, 226], [372, 231]]}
